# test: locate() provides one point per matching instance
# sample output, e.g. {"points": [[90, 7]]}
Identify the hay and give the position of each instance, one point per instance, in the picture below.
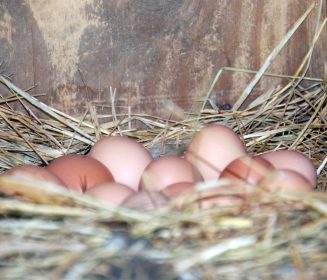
{"points": [[48, 233]]}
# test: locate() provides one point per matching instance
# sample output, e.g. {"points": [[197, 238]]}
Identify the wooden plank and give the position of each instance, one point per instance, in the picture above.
{"points": [[149, 50]]}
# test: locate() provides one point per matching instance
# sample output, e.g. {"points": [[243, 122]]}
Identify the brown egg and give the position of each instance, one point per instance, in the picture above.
{"points": [[220, 201], [177, 189], [168, 170], [124, 157], [222, 196], [284, 180], [213, 148], [79, 173], [181, 193], [34, 172], [110, 193], [293, 160], [248, 169], [145, 200], [230, 195]]}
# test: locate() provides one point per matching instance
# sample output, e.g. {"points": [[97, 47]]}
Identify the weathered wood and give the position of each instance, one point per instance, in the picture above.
{"points": [[150, 50]]}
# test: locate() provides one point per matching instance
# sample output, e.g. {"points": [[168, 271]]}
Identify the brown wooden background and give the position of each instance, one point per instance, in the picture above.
{"points": [[151, 51]]}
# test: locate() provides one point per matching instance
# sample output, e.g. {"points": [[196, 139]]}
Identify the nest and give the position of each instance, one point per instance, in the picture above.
{"points": [[47, 232]]}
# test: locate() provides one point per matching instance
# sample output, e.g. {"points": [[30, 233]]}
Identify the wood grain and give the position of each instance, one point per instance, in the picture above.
{"points": [[150, 51]]}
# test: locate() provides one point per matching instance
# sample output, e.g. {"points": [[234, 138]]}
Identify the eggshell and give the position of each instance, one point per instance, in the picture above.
{"points": [[110, 193], [229, 196], [145, 200], [213, 148], [209, 198], [124, 157], [285, 180], [35, 173], [248, 169], [168, 170], [177, 189], [79, 172], [220, 201], [181, 193], [293, 160]]}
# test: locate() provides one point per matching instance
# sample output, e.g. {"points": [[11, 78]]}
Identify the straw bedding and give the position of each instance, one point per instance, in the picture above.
{"points": [[48, 231]]}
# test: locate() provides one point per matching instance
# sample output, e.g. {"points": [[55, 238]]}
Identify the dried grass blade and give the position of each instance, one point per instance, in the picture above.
{"points": [[34, 209], [302, 134], [43, 107], [22, 137], [271, 58], [214, 251]]}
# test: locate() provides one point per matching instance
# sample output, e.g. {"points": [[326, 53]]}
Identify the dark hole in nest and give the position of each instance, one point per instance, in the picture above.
{"points": [[117, 226], [135, 267]]}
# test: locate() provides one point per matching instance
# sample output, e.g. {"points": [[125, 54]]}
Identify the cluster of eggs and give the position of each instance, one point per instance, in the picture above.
{"points": [[120, 171]]}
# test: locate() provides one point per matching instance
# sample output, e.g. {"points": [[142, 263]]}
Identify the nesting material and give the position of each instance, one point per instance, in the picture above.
{"points": [[70, 236]]}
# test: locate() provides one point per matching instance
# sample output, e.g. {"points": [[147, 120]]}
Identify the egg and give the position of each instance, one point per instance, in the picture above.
{"points": [[168, 170], [124, 157], [227, 193], [293, 160], [220, 201], [33, 172], [285, 180], [145, 200], [110, 193], [177, 189], [181, 193], [79, 172], [205, 199], [213, 148], [248, 169], [222, 196]]}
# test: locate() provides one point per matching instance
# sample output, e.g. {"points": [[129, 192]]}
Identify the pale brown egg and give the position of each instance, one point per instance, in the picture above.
{"points": [[213, 148], [284, 180], [184, 194], [227, 195], [124, 157], [33, 172], [145, 200], [110, 193], [180, 193], [79, 172], [168, 170], [248, 169], [177, 189], [220, 201], [293, 160]]}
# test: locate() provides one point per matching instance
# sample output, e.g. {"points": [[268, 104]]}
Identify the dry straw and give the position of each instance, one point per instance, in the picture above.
{"points": [[49, 233]]}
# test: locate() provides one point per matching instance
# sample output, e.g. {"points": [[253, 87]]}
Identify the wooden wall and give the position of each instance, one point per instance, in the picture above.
{"points": [[151, 51]]}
